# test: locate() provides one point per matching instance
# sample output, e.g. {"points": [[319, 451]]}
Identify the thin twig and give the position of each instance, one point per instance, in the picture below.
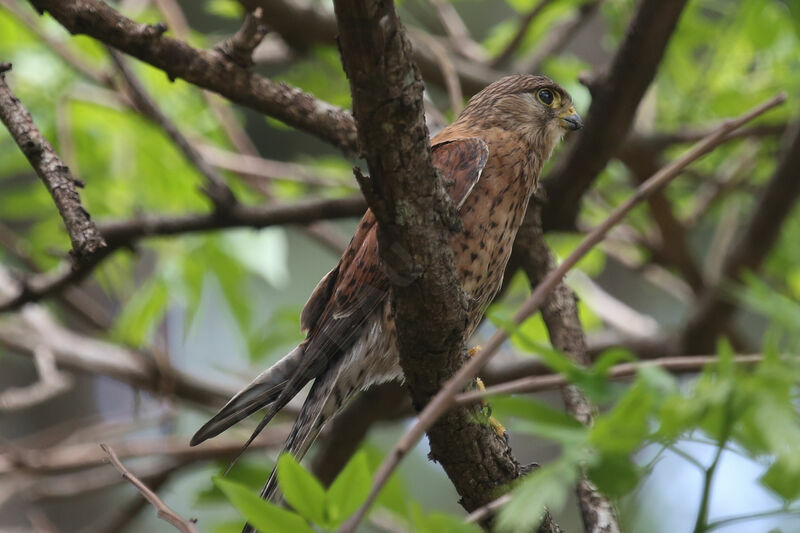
{"points": [[701, 525], [86, 240], [676, 364], [164, 511], [123, 234], [457, 31], [449, 73], [205, 68], [559, 37], [70, 58], [444, 398], [480, 513], [750, 516], [239, 47], [522, 29], [216, 189], [267, 169], [51, 383]]}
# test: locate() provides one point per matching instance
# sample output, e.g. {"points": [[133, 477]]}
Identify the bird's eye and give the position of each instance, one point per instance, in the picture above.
{"points": [[545, 96]]}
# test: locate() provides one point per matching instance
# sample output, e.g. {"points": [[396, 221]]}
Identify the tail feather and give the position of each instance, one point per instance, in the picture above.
{"points": [[317, 409], [261, 392]]}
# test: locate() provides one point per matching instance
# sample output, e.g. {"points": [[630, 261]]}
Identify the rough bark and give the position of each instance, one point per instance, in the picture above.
{"points": [[415, 216], [208, 69], [56, 176]]}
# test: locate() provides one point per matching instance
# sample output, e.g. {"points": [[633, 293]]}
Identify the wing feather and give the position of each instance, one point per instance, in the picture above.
{"points": [[343, 299]]}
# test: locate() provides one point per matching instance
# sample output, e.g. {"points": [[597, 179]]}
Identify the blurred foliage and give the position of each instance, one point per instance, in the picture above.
{"points": [[725, 57]]}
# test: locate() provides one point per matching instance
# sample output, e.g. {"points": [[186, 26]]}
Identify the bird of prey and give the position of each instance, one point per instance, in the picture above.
{"points": [[490, 159]]}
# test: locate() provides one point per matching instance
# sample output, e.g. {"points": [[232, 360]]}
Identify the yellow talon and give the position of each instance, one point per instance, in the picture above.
{"points": [[496, 425]]}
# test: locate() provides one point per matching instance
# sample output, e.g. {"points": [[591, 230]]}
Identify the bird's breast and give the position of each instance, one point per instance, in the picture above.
{"points": [[491, 216]]}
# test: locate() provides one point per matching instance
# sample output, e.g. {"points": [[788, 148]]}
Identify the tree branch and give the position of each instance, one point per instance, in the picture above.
{"points": [[85, 454], [206, 68], [443, 400], [777, 200], [122, 234], [522, 29], [558, 37], [415, 216], [164, 511], [677, 365], [560, 314], [302, 24], [216, 188], [239, 47], [615, 99], [86, 240]]}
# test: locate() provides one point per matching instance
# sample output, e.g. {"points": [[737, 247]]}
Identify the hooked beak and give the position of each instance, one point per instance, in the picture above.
{"points": [[571, 120]]}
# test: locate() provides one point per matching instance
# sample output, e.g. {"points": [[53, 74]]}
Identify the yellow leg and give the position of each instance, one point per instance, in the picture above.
{"points": [[496, 425]]}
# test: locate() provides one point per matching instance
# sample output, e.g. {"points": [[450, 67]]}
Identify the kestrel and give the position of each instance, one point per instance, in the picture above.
{"points": [[490, 159]]}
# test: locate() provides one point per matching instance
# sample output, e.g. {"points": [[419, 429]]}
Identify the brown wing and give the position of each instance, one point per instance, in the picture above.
{"points": [[350, 292], [461, 162]]}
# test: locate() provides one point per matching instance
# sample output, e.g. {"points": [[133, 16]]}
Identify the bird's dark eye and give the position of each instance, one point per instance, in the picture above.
{"points": [[545, 96]]}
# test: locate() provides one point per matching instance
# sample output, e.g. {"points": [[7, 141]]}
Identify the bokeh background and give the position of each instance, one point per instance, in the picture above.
{"points": [[219, 306]]}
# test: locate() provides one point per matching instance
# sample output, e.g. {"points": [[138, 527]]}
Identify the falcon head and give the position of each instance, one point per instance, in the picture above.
{"points": [[534, 106]]}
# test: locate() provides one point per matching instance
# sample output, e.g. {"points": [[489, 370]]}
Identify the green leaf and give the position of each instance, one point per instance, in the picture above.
{"points": [[625, 427], [614, 474], [148, 304], [783, 478], [225, 8], [246, 472], [349, 490], [537, 418], [263, 515], [301, 489], [546, 488]]}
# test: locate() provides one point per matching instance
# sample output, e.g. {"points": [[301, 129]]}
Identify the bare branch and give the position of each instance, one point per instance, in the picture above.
{"points": [[85, 454], [205, 68], [267, 169], [442, 401], [34, 328], [558, 37], [51, 383], [643, 161], [752, 247], [239, 48], [560, 314], [216, 189], [457, 31], [122, 234], [70, 58], [303, 24], [86, 240], [522, 29], [164, 511], [677, 364], [414, 215], [615, 100], [483, 512]]}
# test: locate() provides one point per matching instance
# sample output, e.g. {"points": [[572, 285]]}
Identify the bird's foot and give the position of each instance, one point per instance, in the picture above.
{"points": [[496, 425]]}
